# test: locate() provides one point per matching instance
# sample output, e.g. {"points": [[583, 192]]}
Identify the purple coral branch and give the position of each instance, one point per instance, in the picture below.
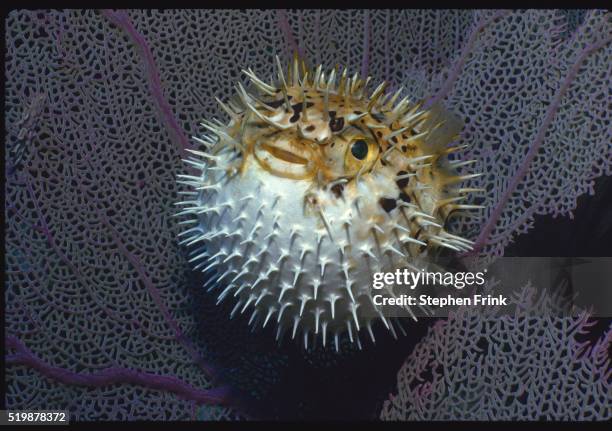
{"points": [[43, 227], [122, 20], [136, 263], [283, 22], [467, 49], [139, 267], [113, 375], [365, 61], [535, 145]]}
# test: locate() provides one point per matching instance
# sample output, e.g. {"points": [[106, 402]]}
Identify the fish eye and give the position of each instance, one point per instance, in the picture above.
{"points": [[359, 149], [359, 155]]}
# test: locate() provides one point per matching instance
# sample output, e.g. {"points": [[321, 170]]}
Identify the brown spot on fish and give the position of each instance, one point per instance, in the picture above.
{"points": [[404, 197], [297, 109], [402, 182], [336, 124], [276, 103], [338, 189], [387, 204]]}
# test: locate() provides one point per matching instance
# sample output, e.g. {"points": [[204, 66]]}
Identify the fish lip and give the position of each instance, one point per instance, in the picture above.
{"points": [[284, 155], [285, 159]]}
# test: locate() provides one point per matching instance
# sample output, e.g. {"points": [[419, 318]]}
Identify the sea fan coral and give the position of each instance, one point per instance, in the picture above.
{"points": [[476, 366], [96, 305], [312, 188]]}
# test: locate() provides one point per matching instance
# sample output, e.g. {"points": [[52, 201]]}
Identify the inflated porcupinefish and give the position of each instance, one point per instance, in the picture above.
{"points": [[312, 187]]}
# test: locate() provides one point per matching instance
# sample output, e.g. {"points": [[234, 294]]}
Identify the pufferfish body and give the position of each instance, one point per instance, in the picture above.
{"points": [[311, 188]]}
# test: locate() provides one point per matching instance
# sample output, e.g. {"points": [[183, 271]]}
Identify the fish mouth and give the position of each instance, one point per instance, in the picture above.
{"points": [[284, 155], [285, 158]]}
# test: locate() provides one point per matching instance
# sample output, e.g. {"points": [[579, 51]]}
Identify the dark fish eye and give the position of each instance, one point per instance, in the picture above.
{"points": [[359, 149]]}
